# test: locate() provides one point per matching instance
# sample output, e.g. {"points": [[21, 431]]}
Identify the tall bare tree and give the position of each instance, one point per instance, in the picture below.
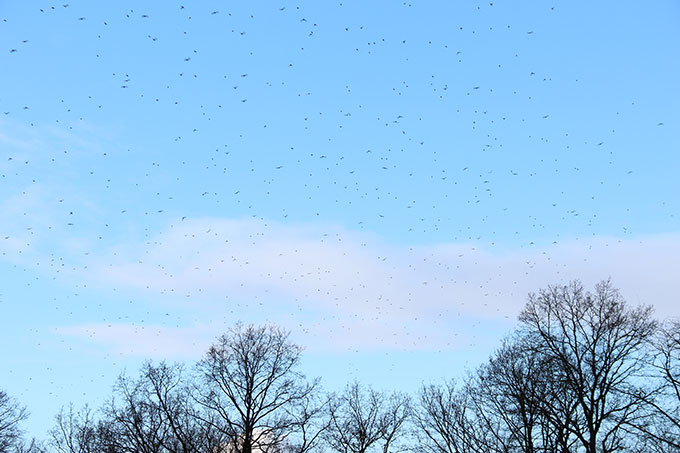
{"points": [[76, 432], [660, 427], [153, 412], [365, 420], [32, 446], [521, 402], [310, 422], [445, 421], [156, 412], [166, 389], [396, 413], [133, 423], [11, 415], [597, 344], [250, 383]]}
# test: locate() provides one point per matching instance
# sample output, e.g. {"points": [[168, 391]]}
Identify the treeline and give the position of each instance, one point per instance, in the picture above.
{"points": [[583, 372]]}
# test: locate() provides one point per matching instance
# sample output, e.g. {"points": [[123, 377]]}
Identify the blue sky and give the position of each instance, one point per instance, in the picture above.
{"points": [[386, 180]]}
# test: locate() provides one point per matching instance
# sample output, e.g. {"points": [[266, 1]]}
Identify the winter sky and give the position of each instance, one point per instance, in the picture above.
{"points": [[386, 180]]}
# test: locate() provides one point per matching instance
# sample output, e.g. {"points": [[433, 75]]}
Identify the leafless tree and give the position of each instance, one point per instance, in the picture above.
{"points": [[166, 389], [76, 432], [660, 426], [157, 413], [521, 402], [365, 420], [151, 413], [396, 413], [134, 423], [310, 422], [33, 446], [249, 384], [500, 408], [445, 420], [597, 344], [507, 396], [11, 415]]}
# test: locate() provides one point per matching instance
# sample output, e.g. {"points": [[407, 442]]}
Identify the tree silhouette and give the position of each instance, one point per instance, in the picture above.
{"points": [[249, 383], [597, 345], [364, 419], [11, 414]]}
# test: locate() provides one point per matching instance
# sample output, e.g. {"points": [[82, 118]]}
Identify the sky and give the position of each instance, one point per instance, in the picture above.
{"points": [[386, 180]]}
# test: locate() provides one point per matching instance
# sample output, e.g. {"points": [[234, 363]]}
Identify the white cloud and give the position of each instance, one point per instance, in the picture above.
{"points": [[346, 290]]}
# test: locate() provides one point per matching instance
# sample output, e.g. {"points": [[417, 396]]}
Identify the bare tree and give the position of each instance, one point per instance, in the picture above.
{"points": [[76, 432], [597, 345], [166, 389], [249, 385], [133, 422], [33, 446], [363, 420], [395, 414], [660, 426], [309, 424], [152, 413], [446, 422], [521, 402], [11, 415], [507, 392], [157, 413]]}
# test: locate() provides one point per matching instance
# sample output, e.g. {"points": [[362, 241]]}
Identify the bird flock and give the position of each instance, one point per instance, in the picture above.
{"points": [[382, 176]]}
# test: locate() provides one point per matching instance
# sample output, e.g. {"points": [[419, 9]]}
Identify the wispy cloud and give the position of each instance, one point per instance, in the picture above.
{"points": [[341, 289], [338, 289]]}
